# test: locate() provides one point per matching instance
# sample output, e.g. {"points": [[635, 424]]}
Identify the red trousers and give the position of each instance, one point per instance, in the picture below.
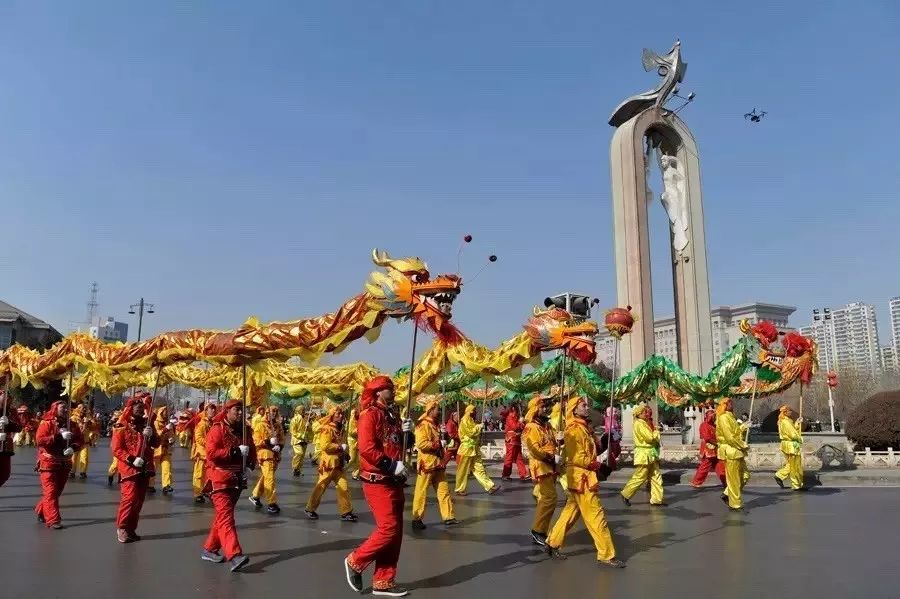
{"points": [[52, 484], [514, 454], [132, 500], [223, 533], [5, 468], [383, 545], [707, 464]]}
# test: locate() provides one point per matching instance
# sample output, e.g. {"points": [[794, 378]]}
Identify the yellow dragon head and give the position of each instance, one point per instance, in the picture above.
{"points": [[405, 289], [557, 329]]}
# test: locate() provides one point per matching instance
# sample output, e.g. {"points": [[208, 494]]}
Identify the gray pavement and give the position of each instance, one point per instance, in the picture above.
{"points": [[831, 542]]}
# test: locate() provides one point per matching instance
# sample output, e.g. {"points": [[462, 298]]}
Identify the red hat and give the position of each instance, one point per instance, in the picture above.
{"points": [[220, 417], [379, 383]]}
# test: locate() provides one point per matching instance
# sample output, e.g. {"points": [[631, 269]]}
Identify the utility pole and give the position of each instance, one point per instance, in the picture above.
{"points": [[141, 307], [826, 318]]}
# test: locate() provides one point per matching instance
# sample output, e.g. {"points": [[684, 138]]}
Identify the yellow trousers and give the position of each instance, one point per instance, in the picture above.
{"points": [[736, 476], [298, 457], [163, 467], [586, 506], [642, 474], [545, 493], [265, 486], [353, 450], [472, 464], [340, 485], [25, 438], [113, 467], [793, 469], [198, 477], [81, 460], [184, 439], [438, 481]]}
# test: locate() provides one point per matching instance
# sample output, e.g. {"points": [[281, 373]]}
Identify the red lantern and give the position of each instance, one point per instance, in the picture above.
{"points": [[619, 321], [832, 379]]}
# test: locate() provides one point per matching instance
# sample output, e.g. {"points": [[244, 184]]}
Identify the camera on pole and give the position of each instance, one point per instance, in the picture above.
{"points": [[579, 306]]}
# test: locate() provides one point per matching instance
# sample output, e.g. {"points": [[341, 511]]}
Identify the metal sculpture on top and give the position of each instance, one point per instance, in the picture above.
{"points": [[670, 67]]}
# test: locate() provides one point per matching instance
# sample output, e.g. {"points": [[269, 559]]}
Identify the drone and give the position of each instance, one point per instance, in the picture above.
{"points": [[754, 116]]}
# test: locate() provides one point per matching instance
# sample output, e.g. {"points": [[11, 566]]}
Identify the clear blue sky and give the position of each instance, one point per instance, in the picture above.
{"points": [[227, 159]]}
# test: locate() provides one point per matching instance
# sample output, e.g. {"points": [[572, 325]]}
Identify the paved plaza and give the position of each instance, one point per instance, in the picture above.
{"points": [[828, 543]]}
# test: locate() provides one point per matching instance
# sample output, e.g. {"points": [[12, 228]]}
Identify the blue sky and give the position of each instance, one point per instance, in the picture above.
{"points": [[229, 159]]}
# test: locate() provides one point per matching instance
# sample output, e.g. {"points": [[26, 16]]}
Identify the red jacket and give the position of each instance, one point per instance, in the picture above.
{"points": [[380, 444], [513, 427], [708, 436], [51, 445], [128, 443], [224, 462]]}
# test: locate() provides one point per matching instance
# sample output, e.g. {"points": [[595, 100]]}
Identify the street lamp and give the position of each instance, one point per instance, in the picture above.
{"points": [[825, 316], [141, 307]]}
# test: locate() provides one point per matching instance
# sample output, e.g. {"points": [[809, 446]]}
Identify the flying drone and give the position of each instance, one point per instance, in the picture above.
{"points": [[754, 116]]}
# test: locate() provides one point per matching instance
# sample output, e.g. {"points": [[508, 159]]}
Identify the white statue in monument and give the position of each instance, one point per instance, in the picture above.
{"points": [[674, 200]]}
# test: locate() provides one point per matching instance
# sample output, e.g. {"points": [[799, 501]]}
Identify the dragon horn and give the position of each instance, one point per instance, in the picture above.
{"points": [[381, 258]]}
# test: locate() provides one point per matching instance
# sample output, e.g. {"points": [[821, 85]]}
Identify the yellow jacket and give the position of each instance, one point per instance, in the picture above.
{"points": [[300, 430], [262, 432], [646, 443], [428, 443], [540, 442], [160, 422], [469, 434], [352, 425], [581, 457], [791, 438], [730, 437], [328, 440], [198, 448]]}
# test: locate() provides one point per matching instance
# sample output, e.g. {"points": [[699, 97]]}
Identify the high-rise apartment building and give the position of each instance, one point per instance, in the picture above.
{"points": [[847, 339]]}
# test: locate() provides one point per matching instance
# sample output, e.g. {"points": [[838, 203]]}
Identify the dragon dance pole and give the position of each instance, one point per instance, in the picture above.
{"points": [[412, 369], [752, 399], [243, 416], [612, 398], [69, 411], [562, 407]]}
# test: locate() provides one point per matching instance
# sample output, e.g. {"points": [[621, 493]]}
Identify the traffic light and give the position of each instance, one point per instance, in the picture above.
{"points": [[573, 303]]}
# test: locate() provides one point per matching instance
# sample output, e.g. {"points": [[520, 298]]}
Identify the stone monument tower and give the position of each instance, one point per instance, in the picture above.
{"points": [[646, 130]]}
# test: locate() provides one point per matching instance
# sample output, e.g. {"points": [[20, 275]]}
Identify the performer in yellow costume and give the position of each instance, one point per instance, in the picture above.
{"points": [[469, 454], [430, 469], [301, 433], [162, 455], [113, 465], [90, 429], [198, 450], [646, 458], [538, 438], [733, 449], [789, 431], [332, 461], [558, 426], [268, 437], [582, 463], [353, 443]]}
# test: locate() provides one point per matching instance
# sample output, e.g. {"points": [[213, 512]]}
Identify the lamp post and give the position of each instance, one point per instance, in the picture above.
{"points": [[825, 317], [141, 307]]}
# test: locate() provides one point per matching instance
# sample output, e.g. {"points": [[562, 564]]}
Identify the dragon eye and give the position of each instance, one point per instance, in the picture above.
{"points": [[419, 277]]}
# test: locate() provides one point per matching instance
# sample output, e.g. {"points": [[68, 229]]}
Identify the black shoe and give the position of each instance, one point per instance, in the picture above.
{"points": [[527, 479], [238, 562], [724, 498], [354, 578], [418, 525], [505, 478], [255, 501], [109, 480], [296, 473], [83, 475], [802, 489], [349, 517], [625, 500], [199, 499], [167, 490], [554, 552], [612, 563], [273, 508], [57, 526], [41, 518], [660, 504], [779, 481], [71, 474], [151, 490], [451, 522], [311, 515], [538, 538], [212, 556], [394, 591]]}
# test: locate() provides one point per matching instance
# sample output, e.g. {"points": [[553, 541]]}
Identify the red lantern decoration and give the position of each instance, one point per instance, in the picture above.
{"points": [[832, 379], [619, 321]]}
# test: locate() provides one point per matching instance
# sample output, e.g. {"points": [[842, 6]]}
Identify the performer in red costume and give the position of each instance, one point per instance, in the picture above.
{"points": [[451, 429], [56, 445], [9, 426], [383, 474], [226, 457], [708, 451], [514, 424], [133, 442]]}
